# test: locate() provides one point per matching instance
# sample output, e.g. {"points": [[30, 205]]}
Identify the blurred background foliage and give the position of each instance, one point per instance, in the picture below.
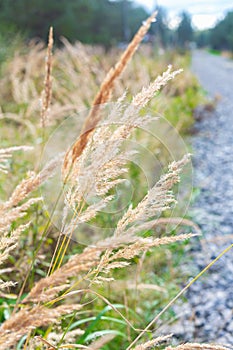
{"points": [[218, 38], [103, 22], [90, 21]]}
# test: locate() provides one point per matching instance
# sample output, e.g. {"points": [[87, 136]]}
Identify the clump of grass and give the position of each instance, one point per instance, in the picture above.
{"points": [[93, 167]]}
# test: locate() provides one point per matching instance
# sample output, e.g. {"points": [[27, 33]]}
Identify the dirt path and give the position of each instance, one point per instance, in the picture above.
{"points": [[208, 314]]}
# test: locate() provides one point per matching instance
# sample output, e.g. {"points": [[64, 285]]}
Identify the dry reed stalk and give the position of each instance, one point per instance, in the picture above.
{"points": [[9, 215], [36, 342], [178, 221], [6, 154], [99, 343], [196, 346], [28, 319], [10, 211], [142, 98], [47, 92], [30, 184], [89, 262], [153, 342], [135, 220], [44, 291], [8, 242], [104, 94], [144, 244], [102, 161], [13, 209], [158, 199], [54, 338]]}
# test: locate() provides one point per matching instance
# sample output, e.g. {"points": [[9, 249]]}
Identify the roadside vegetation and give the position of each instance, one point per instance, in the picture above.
{"points": [[57, 292]]}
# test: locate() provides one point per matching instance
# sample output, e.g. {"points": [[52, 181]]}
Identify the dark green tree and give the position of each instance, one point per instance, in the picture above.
{"points": [[90, 21], [202, 38], [185, 30], [221, 36], [160, 28]]}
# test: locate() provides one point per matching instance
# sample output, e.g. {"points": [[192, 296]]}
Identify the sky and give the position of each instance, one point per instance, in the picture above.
{"points": [[205, 13]]}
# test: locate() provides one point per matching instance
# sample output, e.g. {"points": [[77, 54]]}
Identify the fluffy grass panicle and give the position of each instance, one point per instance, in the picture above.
{"points": [[93, 166]]}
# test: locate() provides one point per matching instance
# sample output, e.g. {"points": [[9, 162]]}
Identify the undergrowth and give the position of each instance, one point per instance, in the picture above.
{"points": [[56, 291]]}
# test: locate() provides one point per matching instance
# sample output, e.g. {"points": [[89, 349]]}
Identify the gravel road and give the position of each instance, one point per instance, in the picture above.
{"points": [[208, 314]]}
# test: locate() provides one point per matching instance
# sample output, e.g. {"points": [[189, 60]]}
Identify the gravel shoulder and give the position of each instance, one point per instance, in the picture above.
{"points": [[208, 314]]}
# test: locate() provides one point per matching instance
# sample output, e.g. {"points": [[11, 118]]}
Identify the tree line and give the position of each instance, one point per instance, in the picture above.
{"points": [[220, 37], [106, 22], [90, 21]]}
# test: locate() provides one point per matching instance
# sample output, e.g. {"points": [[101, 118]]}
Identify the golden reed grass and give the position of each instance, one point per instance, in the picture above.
{"points": [[104, 94], [196, 346], [47, 92], [95, 263]]}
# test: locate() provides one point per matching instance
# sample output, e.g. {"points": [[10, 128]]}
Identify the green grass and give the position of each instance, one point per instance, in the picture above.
{"points": [[214, 52]]}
